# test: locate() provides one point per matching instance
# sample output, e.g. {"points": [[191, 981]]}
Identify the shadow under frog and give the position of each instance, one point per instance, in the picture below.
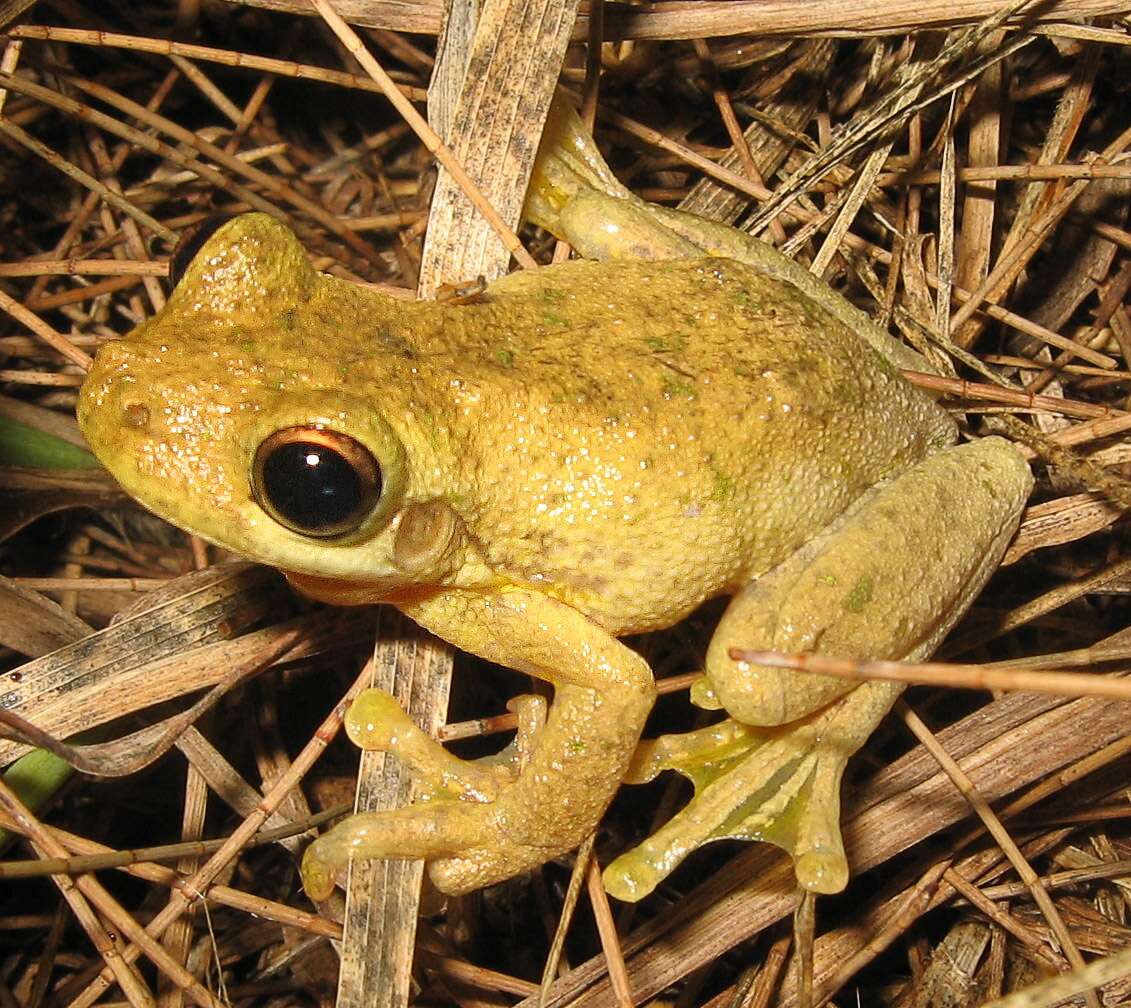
{"points": [[585, 451]]}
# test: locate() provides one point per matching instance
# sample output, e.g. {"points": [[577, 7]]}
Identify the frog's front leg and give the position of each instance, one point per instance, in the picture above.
{"points": [[603, 692], [887, 580]]}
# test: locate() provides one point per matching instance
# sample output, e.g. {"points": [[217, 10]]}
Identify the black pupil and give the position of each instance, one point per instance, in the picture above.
{"points": [[312, 486]]}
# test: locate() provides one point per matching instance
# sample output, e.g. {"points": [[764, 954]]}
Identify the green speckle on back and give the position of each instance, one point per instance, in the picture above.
{"points": [[723, 488], [674, 344], [676, 386], [860, 595]]}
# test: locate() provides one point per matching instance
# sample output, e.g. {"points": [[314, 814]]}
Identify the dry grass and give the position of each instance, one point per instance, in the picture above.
{"points": [[967, 186]]}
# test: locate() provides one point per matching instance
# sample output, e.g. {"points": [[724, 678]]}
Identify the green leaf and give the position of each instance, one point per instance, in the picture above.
{"points": [[21, 445]]}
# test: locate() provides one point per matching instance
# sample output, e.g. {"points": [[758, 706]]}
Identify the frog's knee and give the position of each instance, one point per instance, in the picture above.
{"points": [[758, 694], [1005, 470]]}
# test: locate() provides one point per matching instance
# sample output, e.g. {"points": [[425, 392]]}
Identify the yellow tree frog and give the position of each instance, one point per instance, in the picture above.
{"points": [[581, 452]]}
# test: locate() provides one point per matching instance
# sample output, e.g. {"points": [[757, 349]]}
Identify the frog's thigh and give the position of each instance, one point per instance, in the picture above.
{"points": [[888, 582], [603, 692]]}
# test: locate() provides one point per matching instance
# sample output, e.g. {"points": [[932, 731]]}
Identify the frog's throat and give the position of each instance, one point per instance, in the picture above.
{"points": [[339, 591]]}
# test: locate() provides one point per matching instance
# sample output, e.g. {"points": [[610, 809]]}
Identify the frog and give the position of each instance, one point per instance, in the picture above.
{"points": [[580, 452]]}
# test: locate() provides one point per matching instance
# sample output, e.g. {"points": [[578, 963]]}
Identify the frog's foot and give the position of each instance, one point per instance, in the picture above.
{"points": [[464, 810], [376, 722], [471, 819], [467, 845], [438, 829], [778, 784]]}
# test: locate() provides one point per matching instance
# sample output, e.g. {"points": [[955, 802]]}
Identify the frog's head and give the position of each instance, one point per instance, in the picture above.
{"points": [[226, 414]]}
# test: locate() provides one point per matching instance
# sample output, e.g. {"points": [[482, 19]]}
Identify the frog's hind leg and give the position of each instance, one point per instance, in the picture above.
{"points": [[889, 580]]}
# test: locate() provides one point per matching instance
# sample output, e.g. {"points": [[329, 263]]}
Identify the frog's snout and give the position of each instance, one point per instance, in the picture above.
{"points": [[126, 415]]}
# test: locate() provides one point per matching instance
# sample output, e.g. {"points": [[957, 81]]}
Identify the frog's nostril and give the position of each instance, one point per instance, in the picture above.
{"points": [[135, 415]]}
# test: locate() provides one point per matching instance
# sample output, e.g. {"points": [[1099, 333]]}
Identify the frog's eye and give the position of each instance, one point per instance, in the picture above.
{"points": [[190, 243], [316, 482]]}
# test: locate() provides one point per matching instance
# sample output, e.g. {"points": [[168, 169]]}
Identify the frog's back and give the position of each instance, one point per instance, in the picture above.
{"points": [[639, 436]]}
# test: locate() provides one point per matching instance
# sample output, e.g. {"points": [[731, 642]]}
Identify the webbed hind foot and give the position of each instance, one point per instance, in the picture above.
{"points": [[778, 784]]}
